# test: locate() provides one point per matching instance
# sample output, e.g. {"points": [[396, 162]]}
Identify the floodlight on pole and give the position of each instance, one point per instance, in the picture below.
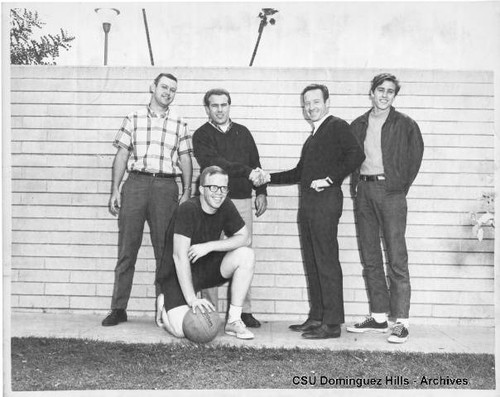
{"points": [[106, 15], [266, 12]]}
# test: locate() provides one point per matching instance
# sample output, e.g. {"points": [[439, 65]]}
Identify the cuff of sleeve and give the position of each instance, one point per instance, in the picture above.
{"points": [[261, 190], [248, 171], [119, 144]]}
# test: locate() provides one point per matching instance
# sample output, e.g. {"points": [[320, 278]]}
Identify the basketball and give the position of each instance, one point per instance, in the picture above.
{"points": [[201, 327]]}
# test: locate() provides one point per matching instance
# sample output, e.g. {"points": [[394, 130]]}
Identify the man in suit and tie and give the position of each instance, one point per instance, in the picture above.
{"points": [[328, 156]]}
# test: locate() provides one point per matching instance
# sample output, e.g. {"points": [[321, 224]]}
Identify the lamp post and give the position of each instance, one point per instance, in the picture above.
{"points": [[107, 15]]}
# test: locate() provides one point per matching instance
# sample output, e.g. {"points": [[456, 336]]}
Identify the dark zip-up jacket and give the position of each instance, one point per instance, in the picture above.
{"points": [[331, 152], [402, 149]]}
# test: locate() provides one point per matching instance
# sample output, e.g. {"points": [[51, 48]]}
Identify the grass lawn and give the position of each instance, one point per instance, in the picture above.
{"points": [[75, 364]]}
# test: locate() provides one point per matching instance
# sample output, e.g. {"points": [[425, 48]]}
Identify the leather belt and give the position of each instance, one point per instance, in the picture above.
{"points": [[157, 175], [372, 178]]}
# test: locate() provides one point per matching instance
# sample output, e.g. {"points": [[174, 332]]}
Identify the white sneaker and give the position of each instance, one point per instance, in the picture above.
{"points": [[238, 329], [399, 334], [159, 307]]}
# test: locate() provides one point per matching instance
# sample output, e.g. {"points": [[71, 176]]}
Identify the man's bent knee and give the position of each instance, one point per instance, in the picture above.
{"points": [[241, 258], [246, 254]]}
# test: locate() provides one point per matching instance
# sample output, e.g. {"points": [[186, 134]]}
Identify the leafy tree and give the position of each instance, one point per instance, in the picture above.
{"points": [[24, 49]]}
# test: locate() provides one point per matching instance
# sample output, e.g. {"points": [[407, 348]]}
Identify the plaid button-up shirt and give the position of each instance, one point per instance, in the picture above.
{"points": [[154, 141]]}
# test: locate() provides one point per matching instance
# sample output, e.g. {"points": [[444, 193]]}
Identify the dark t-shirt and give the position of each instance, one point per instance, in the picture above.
{"points": [[191, 221], [194, 223]]}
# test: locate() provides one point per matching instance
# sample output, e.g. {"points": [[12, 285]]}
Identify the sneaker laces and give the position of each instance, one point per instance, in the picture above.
{"points": [[112, 313], [239, 322], [398, 329], [367, 320]]}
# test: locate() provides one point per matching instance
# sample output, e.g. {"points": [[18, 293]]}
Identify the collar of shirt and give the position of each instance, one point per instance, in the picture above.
{"points": [[152, 113], [218, 128], [318, 123]]}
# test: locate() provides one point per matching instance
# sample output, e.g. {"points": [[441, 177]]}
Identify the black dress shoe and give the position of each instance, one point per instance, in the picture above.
{"points": [[114, 317], [323, 332], [308, 325], [249, 320]]}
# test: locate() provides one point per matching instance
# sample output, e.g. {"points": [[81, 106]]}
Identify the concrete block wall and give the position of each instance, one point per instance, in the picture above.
{"points": [[64, 241]]}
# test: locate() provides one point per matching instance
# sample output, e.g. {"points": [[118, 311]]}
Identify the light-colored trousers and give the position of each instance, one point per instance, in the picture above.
{"points": [[244, 207]]}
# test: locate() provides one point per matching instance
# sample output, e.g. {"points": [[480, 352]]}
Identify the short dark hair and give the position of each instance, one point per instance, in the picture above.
{"points": [[167, 75], [216, 91], [323, 88], [209, 171], [380, 78]]}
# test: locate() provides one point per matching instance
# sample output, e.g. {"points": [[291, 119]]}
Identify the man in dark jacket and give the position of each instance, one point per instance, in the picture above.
{"points": [[328, 156], [393, 146], [230, 145]]}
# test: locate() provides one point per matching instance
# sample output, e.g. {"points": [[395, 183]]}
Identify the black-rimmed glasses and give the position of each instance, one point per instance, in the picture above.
{"points": [[215, 188]]}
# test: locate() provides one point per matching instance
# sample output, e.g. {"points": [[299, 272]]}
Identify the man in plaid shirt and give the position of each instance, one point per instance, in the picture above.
{"points": [[155, 145]]}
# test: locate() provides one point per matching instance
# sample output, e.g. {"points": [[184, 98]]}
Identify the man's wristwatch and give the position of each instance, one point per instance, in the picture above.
{"points": [[328, 179]]}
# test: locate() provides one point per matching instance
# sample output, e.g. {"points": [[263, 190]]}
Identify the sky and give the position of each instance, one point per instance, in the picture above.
{"points": [[427, 35]]}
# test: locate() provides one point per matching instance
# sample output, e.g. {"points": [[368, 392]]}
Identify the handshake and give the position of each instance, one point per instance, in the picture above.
{"points": [[259, 177]]}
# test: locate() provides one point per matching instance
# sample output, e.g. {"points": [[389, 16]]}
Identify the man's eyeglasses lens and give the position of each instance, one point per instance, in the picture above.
{"points": [[215, 188]]}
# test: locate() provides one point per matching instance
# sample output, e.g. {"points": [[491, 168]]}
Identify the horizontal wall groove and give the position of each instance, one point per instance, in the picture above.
{"points": [[64, 241]]}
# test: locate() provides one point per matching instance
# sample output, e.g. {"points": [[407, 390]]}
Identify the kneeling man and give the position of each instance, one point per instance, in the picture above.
{"points": [[196, 258]]}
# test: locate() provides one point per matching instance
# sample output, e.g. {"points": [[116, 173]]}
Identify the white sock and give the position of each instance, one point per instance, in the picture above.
{"points": [[234, 313], [379, 317], [404, 321]]}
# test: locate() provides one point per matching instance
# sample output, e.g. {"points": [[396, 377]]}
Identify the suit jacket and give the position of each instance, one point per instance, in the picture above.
{"points": [[331, 152]]}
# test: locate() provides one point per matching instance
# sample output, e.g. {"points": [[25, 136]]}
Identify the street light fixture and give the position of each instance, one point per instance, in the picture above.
{"points": [[266, 12], [106, 15]]}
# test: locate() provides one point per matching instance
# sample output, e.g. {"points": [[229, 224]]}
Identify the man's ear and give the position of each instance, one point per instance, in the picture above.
{"points": [[152, 87], [200, 189], [207, 110]]}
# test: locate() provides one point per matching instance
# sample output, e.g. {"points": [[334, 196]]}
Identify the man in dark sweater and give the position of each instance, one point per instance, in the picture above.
{"points": [[328, 156], [229, 145]]}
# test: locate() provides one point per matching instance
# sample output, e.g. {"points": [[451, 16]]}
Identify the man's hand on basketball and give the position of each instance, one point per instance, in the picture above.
{"points": [[202, 305], [198, 251]]}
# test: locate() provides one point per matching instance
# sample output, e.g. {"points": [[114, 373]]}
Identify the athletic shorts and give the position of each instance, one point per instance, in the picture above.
{"points": [[206, 274]]}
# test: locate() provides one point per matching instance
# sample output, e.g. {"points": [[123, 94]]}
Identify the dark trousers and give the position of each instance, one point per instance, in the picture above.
{"points": [[143, 199], [378, 210], [319, 215]]}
